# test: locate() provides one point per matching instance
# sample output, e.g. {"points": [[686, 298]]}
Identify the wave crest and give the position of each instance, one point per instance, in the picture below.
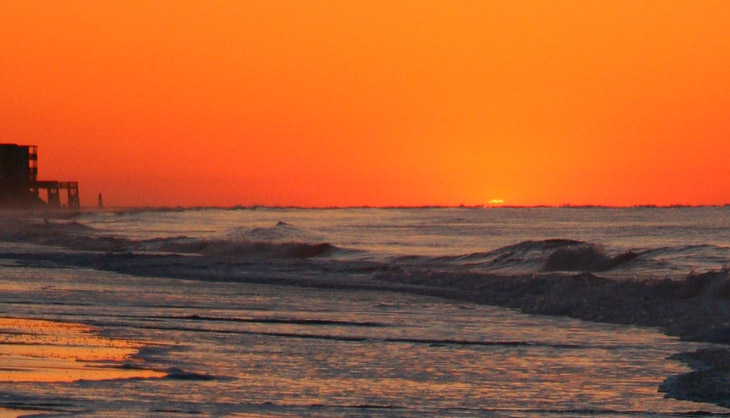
{"points": [[585, 257], [280, 232], [267, 249], [531, 256], [74, 235]]}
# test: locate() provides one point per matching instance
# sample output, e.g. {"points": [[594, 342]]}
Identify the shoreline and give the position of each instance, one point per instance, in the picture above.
{"points": [[694, 309], [17, 412], [51, 351]]}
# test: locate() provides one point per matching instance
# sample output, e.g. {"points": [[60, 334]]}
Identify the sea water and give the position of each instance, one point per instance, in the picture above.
{"points": [[201, 291]]}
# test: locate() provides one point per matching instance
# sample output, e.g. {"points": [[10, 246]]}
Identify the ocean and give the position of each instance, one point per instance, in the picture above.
{"points": [[416, 312]]}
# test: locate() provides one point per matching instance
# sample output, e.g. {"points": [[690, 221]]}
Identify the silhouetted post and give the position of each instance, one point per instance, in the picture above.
{"points": [[72, 188], [54, 198], [101, 205]]}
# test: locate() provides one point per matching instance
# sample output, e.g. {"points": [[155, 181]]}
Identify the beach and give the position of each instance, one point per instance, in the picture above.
{"points": [[266, 321]]}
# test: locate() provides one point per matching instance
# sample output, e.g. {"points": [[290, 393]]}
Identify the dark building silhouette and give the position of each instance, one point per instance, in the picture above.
{"points": [[19, 184]]}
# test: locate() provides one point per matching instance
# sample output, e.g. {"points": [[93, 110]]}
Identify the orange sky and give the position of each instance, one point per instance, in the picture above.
{"points": [[372, 103]]}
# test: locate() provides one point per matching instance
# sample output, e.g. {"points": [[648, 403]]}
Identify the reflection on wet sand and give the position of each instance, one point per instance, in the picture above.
{"points": [[34, 350], [17, 413]]}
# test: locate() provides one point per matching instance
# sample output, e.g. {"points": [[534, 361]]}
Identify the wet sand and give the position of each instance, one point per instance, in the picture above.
{"points": [[17, 413], [33, 350]]}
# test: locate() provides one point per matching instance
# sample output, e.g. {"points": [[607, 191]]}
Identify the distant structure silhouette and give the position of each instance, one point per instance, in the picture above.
{"points": [[101, 205], [19, 184]]}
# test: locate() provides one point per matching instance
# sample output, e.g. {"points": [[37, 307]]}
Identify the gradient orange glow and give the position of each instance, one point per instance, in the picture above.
{"points": [[372, 103]]}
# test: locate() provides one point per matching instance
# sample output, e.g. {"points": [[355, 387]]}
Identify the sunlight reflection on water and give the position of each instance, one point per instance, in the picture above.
{"points": [[286, 351]]}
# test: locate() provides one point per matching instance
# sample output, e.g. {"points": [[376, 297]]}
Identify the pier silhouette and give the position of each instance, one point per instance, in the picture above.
{"points": [[19, 184]]}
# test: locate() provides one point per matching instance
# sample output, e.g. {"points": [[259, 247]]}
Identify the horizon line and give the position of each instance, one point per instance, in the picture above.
{"points": [[479, 206]]}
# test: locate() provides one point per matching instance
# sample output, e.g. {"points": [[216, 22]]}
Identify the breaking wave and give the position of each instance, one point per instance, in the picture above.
{"points": [[554, 276], [266, 249], [239, 242], [694, 308], [585, 257], [285, 240], [280, 232], [534, 256]]}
